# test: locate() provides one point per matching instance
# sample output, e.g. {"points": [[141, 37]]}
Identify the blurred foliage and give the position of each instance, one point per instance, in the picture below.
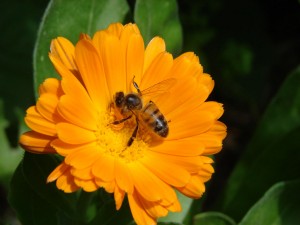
{"points": [[251, 49], [90, 17]]}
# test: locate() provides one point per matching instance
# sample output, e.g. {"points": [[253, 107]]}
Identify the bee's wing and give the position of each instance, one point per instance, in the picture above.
{"points": [[159, 88]]}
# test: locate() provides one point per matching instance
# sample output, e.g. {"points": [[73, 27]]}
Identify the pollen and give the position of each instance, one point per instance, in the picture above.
{"points": [[113, 140]]}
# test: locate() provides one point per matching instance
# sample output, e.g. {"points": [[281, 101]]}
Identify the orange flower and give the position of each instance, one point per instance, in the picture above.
{"points": [[78, 118]]}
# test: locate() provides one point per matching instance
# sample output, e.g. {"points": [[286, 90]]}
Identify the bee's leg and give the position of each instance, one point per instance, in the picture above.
{"points": [[122, 120], [136, 86], [133, 136]]}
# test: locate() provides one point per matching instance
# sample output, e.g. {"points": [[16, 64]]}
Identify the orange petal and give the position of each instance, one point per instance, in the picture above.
{"points": [[72, 134], [194, 189], [115, 29], [138, 212], [57, 172], [155, 47], [184, 97], [66, 182], [63, 49], [157, 71], [104, 168], [144, 178], [119, 195], [78, 113], [134, 60], [181, 147], [86, 185], [206, 80], [190, 163], [123, 176], [51, 85], [212, 139], [83, 157], [83, 174], [213, 107], [114, 64], [65, 149], [92, 72], [196, 123], [174, 207], [186, 66], [154, 209], [47, 105], [38, 123], [172, 174], [108, 186], [36, 142]]}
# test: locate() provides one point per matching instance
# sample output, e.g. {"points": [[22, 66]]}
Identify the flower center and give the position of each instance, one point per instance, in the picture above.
{"points": [[113, 139]]}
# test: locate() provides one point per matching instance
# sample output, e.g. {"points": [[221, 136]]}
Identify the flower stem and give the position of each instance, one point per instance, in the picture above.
{"points": [[82, 210]]}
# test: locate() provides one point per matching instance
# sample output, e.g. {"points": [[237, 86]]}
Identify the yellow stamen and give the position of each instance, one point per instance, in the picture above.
{"points": [[114, 140]]}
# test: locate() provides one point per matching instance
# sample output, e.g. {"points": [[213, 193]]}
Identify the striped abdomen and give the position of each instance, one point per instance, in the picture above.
{"points": [[154, 119]]}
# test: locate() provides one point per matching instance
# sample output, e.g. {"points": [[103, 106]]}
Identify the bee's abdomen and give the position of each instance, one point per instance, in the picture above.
{"points": [[155, 120]]}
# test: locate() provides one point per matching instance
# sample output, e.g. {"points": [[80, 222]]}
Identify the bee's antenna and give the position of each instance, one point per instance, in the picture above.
{"points": [[136, 85]]}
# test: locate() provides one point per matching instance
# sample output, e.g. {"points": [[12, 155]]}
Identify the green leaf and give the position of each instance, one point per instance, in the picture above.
{"points": [[36, 169], [168, 223], [213, 218], [107, 213], [273, 154], [30, 194], [159, 18], [69, 19], [279, 206], [9, 157], [178, 217], [30, 208]]}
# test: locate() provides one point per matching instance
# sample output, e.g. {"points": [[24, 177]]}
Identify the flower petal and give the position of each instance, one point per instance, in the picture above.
{"points": [[172, 174], [83, 174], [36, 143], [144, 178], [157, 71], [138, 212], [155, 47], [72, 134], [154, 209], [57, 172], [112, 54], [115, 29], [63, 49], [38, 123], [134, 60], [66, 183], [194, 189], [104, 168], [86, 185], [78, 113], [123, 176], [47, 106], [196, 123], [181, 147], [65, 149], [83, 157], [215, 108], [119, 195], [92, 72], [51, 85]]}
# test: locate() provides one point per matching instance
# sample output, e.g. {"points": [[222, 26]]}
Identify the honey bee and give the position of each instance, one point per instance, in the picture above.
{"points": [[147, 115]]}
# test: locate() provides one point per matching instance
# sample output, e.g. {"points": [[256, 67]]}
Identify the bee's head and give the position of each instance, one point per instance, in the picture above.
{"points": [[133, 102], [120, 99]]}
